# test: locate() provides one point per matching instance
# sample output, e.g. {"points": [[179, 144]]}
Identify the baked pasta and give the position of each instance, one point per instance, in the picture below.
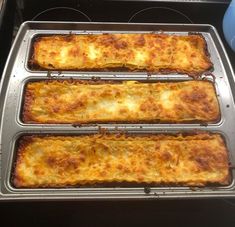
{"points": [[74, 101], [158, 53], [61, 161]]}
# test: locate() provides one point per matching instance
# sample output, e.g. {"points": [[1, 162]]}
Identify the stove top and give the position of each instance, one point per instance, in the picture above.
{"points": [[150, 11], [125, 11]]}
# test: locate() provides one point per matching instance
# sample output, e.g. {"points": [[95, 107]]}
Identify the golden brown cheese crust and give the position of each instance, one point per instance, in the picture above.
{"points": [[60, 161], [133, 52], [74, 101]]}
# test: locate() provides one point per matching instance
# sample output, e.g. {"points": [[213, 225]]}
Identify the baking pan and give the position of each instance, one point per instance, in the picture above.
{"points": [[17, 73]]}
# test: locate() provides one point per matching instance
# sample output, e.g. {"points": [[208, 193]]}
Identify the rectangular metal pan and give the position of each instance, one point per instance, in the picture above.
{"points": [[216, 121], [17, 74], [109, 43]]}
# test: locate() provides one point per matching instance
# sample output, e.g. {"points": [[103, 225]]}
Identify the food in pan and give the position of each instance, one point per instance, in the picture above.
{"points": [[60, 161], [75, 101], [133, 52]]}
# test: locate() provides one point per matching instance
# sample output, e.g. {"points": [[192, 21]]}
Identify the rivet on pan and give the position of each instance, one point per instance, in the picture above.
{"points": [[147, 190]]}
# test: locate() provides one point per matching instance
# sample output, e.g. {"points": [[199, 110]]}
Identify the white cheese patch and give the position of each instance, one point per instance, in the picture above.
{"points": [[140, 57], [130, 103], [63, 55], [165, 97], [112, 106], [109, 105], [92, 52]]}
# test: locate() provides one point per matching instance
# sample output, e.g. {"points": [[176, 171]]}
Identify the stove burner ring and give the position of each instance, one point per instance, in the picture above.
{"points": [[159, 7], [61, 8]]}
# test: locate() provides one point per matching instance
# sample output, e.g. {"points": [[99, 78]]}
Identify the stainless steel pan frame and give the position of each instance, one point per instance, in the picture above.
{"points": [[17, 73]]}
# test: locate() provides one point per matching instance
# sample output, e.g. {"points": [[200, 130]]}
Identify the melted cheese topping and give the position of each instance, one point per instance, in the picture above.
{"points": [[77, 101], [59, 161], [134, 52]]}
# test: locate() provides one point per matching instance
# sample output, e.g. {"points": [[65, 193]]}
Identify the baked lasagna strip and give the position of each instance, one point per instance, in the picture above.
{"points": [[156, 53], [75, 101], [70, 161]]}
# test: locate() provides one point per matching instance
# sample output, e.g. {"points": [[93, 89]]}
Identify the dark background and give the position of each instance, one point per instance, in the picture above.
{"points": [[206, 212], [120, 213]]}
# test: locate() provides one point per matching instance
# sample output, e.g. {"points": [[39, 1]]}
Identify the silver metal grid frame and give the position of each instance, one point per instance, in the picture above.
{"points": [[17, 74]]}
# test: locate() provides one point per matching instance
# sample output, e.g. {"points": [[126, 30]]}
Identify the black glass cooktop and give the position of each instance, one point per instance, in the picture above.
{"points": [[170, 11]]}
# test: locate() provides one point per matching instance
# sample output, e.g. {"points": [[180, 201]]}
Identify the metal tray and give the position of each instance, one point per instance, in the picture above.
{"points": [[17, 74]]}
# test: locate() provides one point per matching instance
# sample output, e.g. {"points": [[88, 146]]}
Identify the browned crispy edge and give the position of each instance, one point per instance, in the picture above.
{"points": [[33, 65], [22, 143], [202, 135], [29, 97]]}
